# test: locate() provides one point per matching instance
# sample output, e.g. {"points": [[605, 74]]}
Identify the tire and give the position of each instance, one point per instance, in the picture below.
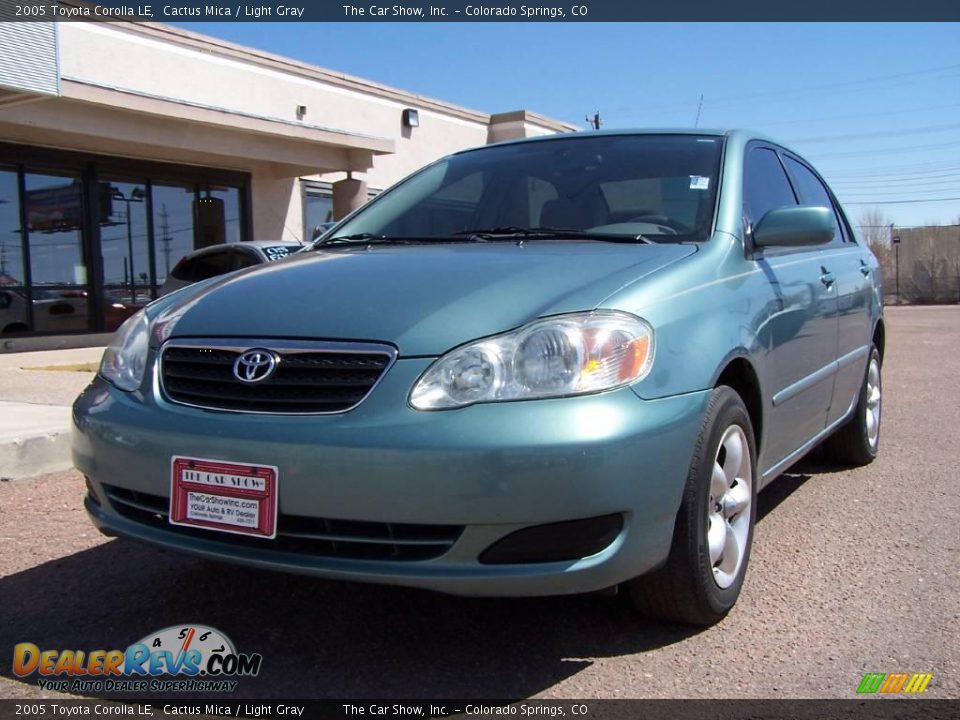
{"points": [[856, 441], [689, 589]]}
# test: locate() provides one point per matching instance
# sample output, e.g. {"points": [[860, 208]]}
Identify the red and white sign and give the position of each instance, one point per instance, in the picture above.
{"points": [[229, 497]]}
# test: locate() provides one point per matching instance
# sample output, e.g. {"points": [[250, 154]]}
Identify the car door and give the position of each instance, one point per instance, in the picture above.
{"points": [[852, 270], [797, 333]]}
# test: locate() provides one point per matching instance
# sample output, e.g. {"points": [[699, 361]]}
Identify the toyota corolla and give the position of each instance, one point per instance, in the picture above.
{"points": [[549, 366]]}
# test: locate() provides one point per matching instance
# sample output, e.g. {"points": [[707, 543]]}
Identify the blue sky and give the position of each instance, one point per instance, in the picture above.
{"points": [[875, 107]]}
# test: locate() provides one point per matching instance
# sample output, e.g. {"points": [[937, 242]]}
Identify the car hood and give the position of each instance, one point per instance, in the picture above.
{"points": [[425, 299]]}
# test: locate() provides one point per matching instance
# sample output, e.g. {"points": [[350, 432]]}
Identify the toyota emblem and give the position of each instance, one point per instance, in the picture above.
{"points": [[255, 365]]}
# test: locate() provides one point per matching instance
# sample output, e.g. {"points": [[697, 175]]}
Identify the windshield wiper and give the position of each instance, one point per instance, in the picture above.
{"points": [[509, 232], [549, 233]]}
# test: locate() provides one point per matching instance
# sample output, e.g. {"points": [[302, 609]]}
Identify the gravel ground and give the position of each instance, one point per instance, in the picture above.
{"points": [[852, 571]]}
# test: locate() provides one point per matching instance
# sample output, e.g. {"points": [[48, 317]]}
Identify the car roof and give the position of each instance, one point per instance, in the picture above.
{"points": [[248, 243], [710, 132]]}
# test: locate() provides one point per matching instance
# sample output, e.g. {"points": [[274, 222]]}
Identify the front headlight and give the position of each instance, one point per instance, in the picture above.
{"points": [[563, 355], [125, 359]]}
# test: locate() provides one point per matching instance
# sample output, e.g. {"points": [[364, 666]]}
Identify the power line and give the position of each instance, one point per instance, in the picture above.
{"points": [[890, 151], [859, 116], [806, 91], [914, 182], [884, 133], [895, 191], [902, 202]]}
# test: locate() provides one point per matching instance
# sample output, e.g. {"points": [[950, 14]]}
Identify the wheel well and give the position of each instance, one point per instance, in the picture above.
{"points": [[880, 337], [740, 375]]}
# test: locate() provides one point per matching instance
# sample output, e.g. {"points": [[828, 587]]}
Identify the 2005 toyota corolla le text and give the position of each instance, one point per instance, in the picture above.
{"points": [[548, 366]]}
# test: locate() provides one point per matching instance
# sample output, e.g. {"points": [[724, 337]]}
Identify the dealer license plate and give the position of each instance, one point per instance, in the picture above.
{"points": [[224, 496]]}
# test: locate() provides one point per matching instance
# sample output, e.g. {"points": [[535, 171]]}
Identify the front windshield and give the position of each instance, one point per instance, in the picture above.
{"points": [[662, 187]]}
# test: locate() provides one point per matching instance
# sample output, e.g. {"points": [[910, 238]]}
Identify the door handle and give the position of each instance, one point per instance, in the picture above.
{"points": [[864, 269], [826, 277]]}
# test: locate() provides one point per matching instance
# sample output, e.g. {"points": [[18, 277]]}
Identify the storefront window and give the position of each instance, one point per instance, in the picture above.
{"points": [[14, 316], [133, 220], [226, 214], [172, 226], [317, 210], [54, 211], [124, 242]]}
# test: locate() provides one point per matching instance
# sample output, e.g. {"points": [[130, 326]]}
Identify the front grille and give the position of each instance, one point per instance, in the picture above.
{"points": [[310, 377], [353, 539]]}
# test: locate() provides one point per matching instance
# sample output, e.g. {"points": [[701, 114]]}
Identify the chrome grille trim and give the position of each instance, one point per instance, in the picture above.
{"points": [[289, 351]]}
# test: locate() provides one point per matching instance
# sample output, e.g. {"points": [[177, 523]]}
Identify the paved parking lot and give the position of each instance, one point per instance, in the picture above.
{"points": [[852, 572]]}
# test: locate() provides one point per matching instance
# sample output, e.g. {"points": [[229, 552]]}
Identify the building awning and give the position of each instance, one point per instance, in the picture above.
{"points": [[103, 119]]}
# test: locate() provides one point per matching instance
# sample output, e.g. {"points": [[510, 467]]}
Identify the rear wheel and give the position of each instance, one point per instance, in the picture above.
{"points": [[714, 530], [856, 442]]}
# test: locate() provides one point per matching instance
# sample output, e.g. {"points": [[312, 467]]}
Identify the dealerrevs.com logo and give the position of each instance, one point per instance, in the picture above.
{"points": [[180, 658]]}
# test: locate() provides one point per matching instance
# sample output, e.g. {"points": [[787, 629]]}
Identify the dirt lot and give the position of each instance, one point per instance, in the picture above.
{"points": [[852, 571]]}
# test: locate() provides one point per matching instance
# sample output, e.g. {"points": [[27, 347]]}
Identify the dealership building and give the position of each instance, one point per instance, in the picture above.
{"points": [[126, 145]]}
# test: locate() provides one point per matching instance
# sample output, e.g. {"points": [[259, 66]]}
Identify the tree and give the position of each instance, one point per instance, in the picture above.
{"points": [[876, 230]]}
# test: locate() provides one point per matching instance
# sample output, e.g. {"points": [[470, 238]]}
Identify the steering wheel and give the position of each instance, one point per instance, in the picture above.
{"points": [[667, 223]]}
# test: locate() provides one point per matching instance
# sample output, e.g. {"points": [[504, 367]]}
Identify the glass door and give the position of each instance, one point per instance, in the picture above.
{"points": [[59, 289], [14, 305], [129, 274]]}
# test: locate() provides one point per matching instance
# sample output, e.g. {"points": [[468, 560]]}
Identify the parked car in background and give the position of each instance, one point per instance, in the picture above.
{"points": [[548, 366], [221, 259], [57, 310]]}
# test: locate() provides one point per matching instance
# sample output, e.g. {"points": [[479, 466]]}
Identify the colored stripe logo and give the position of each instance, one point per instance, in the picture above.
{"points": [[891, 683]]}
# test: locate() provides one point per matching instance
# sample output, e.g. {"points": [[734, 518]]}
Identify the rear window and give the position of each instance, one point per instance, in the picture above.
{"points": [[276, 252], [203, 266]]}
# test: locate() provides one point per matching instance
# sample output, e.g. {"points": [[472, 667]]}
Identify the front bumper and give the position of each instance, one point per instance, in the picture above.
{"points": [[492, 469]]}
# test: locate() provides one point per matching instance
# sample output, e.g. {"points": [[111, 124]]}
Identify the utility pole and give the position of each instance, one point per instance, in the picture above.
{"points": [[696, 123], [165, 238], [895, 241], [594, 121]]}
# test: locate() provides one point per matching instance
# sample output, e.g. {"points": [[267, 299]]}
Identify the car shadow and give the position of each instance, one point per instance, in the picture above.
{"points": [[324, 639], [320, 639], [815, 463]]}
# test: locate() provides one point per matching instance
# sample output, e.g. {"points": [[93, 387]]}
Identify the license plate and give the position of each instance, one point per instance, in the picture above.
{"points": [[225, 496]]}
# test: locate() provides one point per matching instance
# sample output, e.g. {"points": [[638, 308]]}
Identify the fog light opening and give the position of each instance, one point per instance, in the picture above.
{"points": [[555, 542]]}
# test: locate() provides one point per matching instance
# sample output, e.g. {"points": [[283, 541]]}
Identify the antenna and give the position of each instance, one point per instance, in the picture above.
{"points": [[696, 123], [595, 122]]}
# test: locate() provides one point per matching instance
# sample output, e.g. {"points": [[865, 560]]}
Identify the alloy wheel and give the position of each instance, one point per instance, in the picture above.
{"points": [[728, 516]]}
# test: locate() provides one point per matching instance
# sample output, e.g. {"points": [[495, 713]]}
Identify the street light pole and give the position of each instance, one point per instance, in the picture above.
{"points": [[133, 282], [136, 195]]}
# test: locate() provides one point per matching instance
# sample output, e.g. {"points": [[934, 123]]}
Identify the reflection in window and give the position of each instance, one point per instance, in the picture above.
{"points": [[217, 216], [172, 226], [54, 210], [124, 242], [13, 304], [318, 209]]}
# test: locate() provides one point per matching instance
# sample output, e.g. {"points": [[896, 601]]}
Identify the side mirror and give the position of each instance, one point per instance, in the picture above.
{"points": [[5, 300], [795, 226]]}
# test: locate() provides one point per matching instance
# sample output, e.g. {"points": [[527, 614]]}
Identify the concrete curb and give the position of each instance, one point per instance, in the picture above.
{"points": [[34, 439]]}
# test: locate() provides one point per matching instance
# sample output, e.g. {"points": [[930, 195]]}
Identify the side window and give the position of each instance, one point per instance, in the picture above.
{"points": [[812, 192], [765, 184]]}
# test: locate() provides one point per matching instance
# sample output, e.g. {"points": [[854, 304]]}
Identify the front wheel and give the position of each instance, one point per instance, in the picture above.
{"points": [[714, 530]]}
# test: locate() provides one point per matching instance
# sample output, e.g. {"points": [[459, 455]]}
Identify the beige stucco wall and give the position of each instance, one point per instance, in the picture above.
{"points": [[108, 55]]}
